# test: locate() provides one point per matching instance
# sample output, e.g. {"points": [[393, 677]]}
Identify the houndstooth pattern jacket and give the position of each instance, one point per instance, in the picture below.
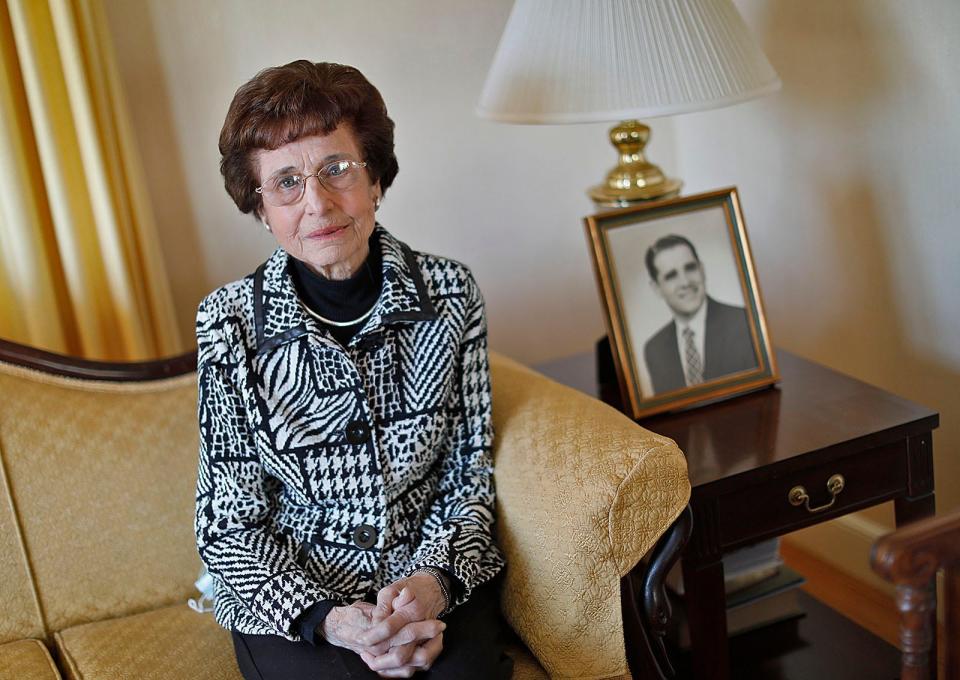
{"points": [[327, 472]]}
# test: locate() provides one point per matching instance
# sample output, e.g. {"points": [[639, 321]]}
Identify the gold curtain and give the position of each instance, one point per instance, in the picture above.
{"points": [[81, 270]]}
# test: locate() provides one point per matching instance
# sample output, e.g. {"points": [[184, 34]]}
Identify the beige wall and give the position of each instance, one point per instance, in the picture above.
{"points": [[848, 176], [851, 187], [506, 200]]}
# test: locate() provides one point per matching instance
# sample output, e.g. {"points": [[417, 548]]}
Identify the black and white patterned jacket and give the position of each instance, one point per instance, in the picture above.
{"points": [[326, 471]]}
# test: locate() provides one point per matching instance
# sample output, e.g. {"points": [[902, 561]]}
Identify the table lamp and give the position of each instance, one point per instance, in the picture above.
{"points": [[582, 61]]}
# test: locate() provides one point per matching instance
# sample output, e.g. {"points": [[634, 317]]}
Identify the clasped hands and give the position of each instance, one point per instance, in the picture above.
{"points": [[398, 636]]}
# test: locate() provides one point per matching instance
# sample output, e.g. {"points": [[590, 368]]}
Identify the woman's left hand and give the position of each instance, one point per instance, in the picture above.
{"points": [[415, 598], [402, 661], [419, 596]]}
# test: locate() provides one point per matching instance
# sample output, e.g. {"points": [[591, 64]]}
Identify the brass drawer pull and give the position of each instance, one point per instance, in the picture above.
{"points": [[798, 495]]}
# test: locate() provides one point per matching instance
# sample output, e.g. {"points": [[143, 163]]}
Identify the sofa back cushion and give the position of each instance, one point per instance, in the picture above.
{"points": [[101, 477]]}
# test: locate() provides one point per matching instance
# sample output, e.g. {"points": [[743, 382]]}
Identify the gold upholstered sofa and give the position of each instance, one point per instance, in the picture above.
{"points": [[97, 555]]}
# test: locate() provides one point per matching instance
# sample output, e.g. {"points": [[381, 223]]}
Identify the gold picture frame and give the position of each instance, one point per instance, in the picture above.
{"points": [[683, 305]]}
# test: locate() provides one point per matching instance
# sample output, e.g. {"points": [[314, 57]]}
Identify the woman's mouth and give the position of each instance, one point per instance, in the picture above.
{"points": [[325, 232]]}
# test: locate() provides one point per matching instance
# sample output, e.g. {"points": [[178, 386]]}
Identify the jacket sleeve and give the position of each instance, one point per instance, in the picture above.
{"points": [[457, 536], [236, 498]]}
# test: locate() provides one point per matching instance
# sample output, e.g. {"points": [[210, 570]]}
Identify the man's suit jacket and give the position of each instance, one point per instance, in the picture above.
{"points": [[727, 348]]}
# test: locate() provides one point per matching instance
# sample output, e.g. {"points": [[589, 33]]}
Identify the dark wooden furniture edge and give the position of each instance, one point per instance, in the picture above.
{"points": [[645, 605], [826, 455], [910, 558], [87, 369]]}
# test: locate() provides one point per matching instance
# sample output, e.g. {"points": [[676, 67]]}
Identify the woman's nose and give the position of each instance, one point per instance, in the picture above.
{"points": [[317, 196]]}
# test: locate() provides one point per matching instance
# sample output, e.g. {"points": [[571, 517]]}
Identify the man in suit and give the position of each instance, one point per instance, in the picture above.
{"points": [[706, 339]]}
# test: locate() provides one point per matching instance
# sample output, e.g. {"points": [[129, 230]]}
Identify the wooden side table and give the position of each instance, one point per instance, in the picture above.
{"points": [[747, 455]]}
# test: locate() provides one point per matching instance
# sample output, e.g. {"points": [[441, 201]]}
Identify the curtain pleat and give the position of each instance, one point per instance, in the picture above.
{"points": [[79, 243]]}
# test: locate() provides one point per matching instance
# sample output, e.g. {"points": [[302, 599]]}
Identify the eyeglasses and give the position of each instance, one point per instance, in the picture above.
{"points": [[286, 189]]}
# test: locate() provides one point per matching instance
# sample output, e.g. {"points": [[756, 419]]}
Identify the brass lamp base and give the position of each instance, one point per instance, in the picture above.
{"points": [[634, 179]]}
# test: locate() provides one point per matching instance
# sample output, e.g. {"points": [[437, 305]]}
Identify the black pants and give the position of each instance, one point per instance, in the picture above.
{"points": [[472, 650]]}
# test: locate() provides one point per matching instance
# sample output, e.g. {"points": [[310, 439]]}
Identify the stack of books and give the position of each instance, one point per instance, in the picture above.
{"points": [[761, 591], [741, 568]]}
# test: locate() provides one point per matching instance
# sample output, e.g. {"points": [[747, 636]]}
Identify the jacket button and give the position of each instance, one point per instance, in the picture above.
{"points": [[357, 432], [372, 343], [364, 536]]}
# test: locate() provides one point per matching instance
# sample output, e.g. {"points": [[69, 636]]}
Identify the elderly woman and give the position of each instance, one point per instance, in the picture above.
{"points": [[345, 495]]}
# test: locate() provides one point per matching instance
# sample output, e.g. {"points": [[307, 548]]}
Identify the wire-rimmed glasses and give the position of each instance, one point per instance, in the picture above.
{"points": [[288, 188]]}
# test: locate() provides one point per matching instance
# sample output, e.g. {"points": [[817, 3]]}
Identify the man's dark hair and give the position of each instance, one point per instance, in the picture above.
{"points": [[665, 243]]}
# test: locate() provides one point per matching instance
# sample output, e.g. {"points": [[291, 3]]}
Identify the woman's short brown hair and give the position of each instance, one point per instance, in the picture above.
{"points": [[284, 103]]}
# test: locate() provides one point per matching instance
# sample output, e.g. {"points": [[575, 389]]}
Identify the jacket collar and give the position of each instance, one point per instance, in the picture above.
{"points": [[280, 316]]}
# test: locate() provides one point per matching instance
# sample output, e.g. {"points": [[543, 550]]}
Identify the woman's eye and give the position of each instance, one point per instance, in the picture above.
{"points": [[336, 169], [288, 182]]}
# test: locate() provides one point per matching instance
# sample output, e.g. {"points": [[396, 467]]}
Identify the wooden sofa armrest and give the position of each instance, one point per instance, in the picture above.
{"points": [[646, 606], [583, 493]]}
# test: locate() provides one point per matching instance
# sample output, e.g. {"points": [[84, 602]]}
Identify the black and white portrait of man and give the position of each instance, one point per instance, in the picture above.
{"points": [[683, 293], [685, 318], [706, 339]]}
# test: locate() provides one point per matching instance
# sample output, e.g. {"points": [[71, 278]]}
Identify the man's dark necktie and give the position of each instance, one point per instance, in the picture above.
{"points": [[694, 362]]}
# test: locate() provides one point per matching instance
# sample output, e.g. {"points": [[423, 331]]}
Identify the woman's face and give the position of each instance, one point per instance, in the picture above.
{"points": [[326, 229]]}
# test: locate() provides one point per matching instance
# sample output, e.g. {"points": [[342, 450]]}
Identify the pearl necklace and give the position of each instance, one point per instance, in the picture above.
{"points": [[340, 324]]}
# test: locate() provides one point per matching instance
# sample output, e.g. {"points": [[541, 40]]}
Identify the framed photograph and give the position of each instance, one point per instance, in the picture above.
{"points": [[683, 305]]}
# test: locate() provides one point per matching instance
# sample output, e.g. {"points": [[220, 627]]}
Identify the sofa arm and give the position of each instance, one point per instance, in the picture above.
{"points": [[583, 493]]}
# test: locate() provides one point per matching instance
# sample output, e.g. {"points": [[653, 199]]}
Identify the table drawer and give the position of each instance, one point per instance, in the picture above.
{"points": [[765, 508]]}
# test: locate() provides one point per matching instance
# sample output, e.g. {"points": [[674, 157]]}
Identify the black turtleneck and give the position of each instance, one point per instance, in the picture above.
{"points": [[341, 300]]}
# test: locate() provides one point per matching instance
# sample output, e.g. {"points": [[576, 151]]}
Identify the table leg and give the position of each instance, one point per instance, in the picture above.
{"points": [[907, 510], [919, 500], [707, 618], [919, 503]]}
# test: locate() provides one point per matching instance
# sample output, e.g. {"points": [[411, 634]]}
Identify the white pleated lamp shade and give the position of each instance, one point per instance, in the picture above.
{"points": [[578, 61]]}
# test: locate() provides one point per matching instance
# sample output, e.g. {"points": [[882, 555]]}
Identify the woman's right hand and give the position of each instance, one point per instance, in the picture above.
{"points": [[344, 626]]}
